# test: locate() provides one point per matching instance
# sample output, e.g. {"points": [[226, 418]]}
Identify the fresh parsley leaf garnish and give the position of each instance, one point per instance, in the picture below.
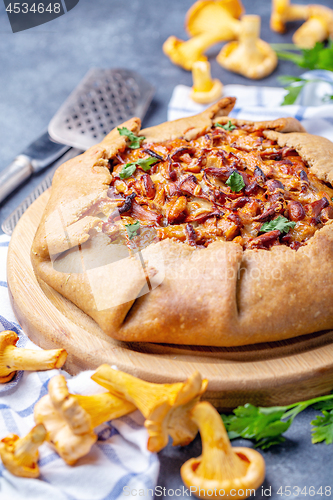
{"points": [[280, 223], [318, 57], [146, 163], [127, 170], [132, 229], [135, 141], [130, 168], [266, 425], [235, 182], [229, 126]]}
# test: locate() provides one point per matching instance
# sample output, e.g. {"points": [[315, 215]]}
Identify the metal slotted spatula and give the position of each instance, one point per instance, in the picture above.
{"points": [[104, 99]]}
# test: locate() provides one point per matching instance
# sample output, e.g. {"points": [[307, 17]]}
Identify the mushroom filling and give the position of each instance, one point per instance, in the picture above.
{"points": [[229, 184]]}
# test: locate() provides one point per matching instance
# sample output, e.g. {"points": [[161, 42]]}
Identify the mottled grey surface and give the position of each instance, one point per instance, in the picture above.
{"points": [[41, 66]]}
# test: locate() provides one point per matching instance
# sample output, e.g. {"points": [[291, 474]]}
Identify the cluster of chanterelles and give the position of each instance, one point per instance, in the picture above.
{"points": [[211, 21], [67, 422]]}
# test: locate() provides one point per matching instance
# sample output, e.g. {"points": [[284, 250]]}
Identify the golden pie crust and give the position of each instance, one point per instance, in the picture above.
{"points": [[215, 293]]}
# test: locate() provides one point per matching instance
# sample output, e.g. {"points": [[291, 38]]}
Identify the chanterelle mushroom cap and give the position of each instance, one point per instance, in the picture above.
{"points": [[165, 406], [14, 358], [249, 56], [221, 471], [70, 419], [206, 16], [20, 455]]}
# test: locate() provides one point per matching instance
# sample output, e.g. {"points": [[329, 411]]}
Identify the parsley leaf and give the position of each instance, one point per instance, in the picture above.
{"points": [[135, 142], [280, 223], [127, 170], [146, 163], [132, 229], [266, 425], [318, 57], [323, 428], [130, 168], [235, 182], [229, 126]]}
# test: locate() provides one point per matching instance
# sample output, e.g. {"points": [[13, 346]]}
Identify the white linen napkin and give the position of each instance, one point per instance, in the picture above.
{"points": [[264, 103], [119, 458]]}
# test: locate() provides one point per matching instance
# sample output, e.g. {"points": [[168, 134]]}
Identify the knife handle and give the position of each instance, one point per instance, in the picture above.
{"points": [[13, 176]]}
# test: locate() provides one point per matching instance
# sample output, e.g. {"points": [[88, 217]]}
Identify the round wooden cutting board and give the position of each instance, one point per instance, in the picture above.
{"points": [[263, 374]]}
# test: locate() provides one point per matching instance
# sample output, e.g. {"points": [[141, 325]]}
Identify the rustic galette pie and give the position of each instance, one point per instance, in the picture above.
{"points": [[207, 230]]}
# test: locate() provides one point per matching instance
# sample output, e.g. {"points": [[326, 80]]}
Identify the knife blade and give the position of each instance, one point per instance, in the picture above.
{"points": [[37, 156]]}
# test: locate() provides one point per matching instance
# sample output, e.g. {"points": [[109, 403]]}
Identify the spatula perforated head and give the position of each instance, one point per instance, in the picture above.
{"points": [[103, 99]]}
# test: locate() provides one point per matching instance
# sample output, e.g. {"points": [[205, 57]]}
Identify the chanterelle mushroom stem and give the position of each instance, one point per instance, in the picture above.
{"points": [[237, 472], [186, 53], [283, 11], [20, 455], [70, 419], [14, 358], [204, 90], [165, 406]]}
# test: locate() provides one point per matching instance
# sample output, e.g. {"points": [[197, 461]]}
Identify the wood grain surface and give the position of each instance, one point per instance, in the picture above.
{"points": [[263, 374]]}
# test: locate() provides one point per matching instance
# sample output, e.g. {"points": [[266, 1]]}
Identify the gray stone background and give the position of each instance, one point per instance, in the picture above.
{"points": [[41, 66]]}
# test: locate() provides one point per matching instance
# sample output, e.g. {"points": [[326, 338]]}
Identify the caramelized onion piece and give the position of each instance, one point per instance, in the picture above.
{"points": [[264, 241], [139, 212]]}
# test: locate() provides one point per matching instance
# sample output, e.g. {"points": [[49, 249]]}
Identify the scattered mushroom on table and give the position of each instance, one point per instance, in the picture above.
{"points": [[207, 22], [318, 25], [222, 471], [249, 55], [15, 358], [165, 407], [70, 420], [20, 455], [204, 90]]}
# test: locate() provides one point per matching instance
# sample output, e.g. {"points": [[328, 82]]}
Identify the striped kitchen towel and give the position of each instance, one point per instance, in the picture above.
{"points": [[119, 459], [264, 103]]}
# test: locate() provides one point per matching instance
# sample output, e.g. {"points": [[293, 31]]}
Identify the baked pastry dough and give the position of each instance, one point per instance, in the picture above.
{"points": [[172, 251]]}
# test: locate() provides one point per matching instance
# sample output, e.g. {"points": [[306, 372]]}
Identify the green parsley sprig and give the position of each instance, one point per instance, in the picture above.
{"points": [[319, 57], [235, 182], [280, 223], [135, 141], [130, 168], [229, 126], [132, 229], [265, 426]]}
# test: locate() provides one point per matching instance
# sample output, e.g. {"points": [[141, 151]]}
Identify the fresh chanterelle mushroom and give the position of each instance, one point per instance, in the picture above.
{"points": [[185, 54], [283, 11], [204, 90], [207, 22], [248, 56], [214, 15], [14, 358], [222, 471], [317, 28], [70, 419], [166, 407], [20, 455]]}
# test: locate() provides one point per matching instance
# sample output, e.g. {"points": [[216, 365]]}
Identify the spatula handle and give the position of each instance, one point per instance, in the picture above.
{"points": [[14, 175]]}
